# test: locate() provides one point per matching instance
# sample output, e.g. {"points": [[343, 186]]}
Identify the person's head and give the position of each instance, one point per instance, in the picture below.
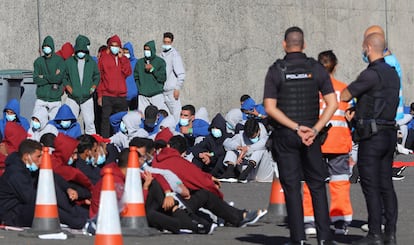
{"points": [[126, 52], [187, 115], [252, 130], [179, 143], [168, 39], [328, 60], [123, 160], [114, 44], [243, 98], [294, 40], [101, 49], [162, 138], [374, 29], [373, 46], [48, 46], [48, 140], [151, 116], [30, 153], [87, 148], [141, 145], [163, 113], [10, 115]]}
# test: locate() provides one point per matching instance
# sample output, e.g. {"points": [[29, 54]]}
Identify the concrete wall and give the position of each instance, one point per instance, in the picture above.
{"points": [[227, 46]]}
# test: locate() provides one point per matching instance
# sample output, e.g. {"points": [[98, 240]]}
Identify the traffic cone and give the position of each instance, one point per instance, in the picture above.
{"points": [[108, 230], [133, 217], [46, 217], [277, 205]]}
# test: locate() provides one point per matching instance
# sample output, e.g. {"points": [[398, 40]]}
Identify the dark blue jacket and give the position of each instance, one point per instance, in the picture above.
{"points": [[65, 113], [13, 105], [93, 173]]}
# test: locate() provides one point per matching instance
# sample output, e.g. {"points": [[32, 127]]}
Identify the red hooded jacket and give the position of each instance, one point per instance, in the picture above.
{"points": [[14, 134], [66, 51], [64, 147], [114, 71], [192, 177]]}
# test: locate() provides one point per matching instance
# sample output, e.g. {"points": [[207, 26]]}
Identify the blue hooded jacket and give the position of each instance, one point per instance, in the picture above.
{"points": [[13, 105], [65, 113], [132, 90]]}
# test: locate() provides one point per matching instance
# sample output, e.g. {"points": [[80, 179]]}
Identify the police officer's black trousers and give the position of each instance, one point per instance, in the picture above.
{"points": [[375, 158], [297, 162]]}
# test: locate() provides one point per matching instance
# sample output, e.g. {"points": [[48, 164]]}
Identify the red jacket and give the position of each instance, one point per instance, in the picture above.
{"points": [[64, 147], [14, 134], [114, 71], [192, 177]]}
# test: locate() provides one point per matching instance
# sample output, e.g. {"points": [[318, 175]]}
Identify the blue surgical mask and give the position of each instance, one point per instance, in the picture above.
{"points": [[255, 139], [365, 57], [65, 123], [35, 125], [229, 126], [114, 50], [32, 166], [216, 132], [90, 160], [184, 121], [11, 117], [122, 127], [166, 47], [80, 55], [147, 53], [47, 50], [101, 159], [70, 161]]}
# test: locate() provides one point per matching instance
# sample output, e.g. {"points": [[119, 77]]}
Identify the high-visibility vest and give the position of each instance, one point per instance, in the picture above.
{"points": [[339, 138]]}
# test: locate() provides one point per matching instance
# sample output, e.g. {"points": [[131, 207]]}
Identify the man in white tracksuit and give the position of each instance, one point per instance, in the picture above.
{"points": [[175, 76]]}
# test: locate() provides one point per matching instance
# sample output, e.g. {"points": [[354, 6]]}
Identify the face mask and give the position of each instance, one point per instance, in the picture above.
{"points": [[90, 160], [229, 126], [101, 159], [166, 47], [255, 139], [122, 127], [47, 50], [127, 55], [80, 55], [216, 132], [10, 118], [114, 50], [88, 46], [70, 161], [65, 124], [35, 125], [365, 57], [32, 166], [184, 121], [147, 53]]}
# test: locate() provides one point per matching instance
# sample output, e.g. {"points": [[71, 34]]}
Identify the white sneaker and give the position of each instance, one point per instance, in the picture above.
{"points": [[310, 231], [365, 227]]}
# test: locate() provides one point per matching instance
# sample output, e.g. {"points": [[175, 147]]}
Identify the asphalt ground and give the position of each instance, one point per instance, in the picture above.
{"points": [[252, 196]]}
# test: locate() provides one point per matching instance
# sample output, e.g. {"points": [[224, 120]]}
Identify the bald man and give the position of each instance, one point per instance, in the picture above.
{"points": [[376, 90]]}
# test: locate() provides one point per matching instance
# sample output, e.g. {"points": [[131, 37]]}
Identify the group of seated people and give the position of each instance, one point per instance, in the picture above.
{"points": [[182, 164]]}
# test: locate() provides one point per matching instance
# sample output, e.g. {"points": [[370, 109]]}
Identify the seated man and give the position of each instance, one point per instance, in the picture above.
{"points": [[66, 122], [190, 126], [11, 113], [245, 148], [17, 185], [128, 129], [251, 109], [151, 121], [87, 150], [14, 134], [209, 153], [234, 121], [39, 125]]}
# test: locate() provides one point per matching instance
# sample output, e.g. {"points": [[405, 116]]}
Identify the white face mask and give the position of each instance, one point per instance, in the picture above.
{"points": [[147, 53], [127, 55]]}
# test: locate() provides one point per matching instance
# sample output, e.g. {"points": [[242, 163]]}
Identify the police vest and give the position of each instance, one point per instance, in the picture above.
{"points": [[298, 95], [381, 102]]}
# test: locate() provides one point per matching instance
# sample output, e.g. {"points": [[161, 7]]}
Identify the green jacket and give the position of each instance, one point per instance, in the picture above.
{"points": [[91, 76], [150, 83], [49, 84]]}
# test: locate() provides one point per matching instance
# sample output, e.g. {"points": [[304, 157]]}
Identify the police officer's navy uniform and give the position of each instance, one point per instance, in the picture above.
{"points": [[376, 90], [295, 82]]}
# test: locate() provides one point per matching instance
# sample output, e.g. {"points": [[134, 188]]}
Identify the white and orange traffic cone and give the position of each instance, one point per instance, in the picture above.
{"points": [[133, 217], [108, 230], [277, 205], [46, 217]]}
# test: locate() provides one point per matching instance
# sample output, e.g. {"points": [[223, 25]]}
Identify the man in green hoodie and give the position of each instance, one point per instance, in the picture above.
{"points": [[48, 73], [150, 76], [80, 81]]}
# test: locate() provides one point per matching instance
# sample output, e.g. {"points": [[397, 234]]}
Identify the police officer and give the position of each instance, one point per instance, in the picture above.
{"points": [[291, 99], [376, 90]]}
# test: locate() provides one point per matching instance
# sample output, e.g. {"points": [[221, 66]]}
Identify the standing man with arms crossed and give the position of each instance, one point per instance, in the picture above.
{"points": [[377, 93], [291, 99], [175, 76]]}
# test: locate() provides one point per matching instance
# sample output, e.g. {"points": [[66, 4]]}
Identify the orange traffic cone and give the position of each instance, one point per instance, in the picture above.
{"points": [[277, 206], [108, 230], [133, 217], [46, 217]]}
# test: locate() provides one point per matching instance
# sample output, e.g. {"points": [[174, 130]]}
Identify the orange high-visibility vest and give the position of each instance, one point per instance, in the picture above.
{"points": [[339, 138]]}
